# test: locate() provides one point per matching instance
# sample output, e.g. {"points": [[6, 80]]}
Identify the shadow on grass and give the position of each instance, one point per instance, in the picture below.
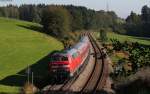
{"points": [[39, 29], [32, 27], [13, 80], [145, 46], [42, 77], [142, 38]]}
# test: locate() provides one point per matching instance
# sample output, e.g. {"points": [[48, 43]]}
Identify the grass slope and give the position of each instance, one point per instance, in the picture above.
{"points": [[141, 40], [20, 46]]}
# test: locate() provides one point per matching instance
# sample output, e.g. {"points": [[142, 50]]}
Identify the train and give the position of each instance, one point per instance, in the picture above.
{"points": [[67, 63]]}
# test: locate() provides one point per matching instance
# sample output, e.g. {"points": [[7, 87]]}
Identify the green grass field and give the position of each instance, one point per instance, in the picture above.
{"points": [[111, 35], [21, 45]]}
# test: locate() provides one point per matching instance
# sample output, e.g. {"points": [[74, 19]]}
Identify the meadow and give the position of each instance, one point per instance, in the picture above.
{"points": [[122, 38], [21, 44]]}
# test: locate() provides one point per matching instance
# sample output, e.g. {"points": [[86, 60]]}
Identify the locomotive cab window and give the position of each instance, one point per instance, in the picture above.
{"points": [[54, 58], [64, 58], [59, 58]]}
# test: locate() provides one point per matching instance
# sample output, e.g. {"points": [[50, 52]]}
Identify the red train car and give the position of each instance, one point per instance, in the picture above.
{"points": [[67, 63]]}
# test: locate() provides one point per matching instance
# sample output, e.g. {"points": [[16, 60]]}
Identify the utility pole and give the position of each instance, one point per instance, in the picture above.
{"points": [[28, 74], [107, 6], [32, 83], [32, 78]]}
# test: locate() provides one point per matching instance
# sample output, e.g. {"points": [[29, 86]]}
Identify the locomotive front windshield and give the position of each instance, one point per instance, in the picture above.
{"points": [[59, 58]]}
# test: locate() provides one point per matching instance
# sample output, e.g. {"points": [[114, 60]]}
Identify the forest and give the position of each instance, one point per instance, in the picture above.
{"points": [[73, 17], [57, 19]]}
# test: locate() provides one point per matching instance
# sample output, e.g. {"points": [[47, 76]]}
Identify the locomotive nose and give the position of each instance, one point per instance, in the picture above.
{"points": [[59, 65]]}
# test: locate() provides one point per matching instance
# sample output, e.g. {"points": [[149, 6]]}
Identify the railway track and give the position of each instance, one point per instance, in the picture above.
{"points": [[98, 76], [65, 87], [95, 81]]}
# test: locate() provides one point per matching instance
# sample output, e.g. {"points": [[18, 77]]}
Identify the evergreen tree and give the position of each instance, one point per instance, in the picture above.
{"points": [[103, 35]]}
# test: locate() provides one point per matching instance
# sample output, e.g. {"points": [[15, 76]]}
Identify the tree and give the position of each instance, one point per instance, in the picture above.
{"points": [[2, 12], [56, 21], [76, 17], [146, 20], [134, 24], [138, 25], [146, 14], [103, 35]]}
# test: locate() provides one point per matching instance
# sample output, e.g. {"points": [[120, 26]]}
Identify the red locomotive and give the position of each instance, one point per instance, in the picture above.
{"points": [[68, 62]]}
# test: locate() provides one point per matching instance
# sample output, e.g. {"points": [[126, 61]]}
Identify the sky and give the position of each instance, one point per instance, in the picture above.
{"points": [[121, 7]]}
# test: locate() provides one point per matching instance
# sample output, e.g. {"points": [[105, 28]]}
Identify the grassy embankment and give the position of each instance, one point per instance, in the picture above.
{"points": [[122, 38], [21, 45], [137, 83]]}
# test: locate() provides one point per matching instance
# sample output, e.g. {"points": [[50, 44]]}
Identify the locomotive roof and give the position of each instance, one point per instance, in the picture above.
{"points": [[71, 51], [83, 39], [79, 46], [65, 52], [74, 49], [59, 54]]}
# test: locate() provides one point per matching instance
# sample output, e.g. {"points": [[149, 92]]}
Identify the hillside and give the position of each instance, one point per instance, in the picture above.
{"points": [[21, 45], [141, 40]]}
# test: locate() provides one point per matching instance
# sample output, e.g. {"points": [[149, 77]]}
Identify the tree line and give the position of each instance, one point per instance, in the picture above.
{"points": [[138, 25], [24, 12], [64, 18], [79, 17]]}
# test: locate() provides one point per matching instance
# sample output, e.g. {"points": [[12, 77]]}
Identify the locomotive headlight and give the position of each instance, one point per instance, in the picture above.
{"points": [[53, 70]]}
